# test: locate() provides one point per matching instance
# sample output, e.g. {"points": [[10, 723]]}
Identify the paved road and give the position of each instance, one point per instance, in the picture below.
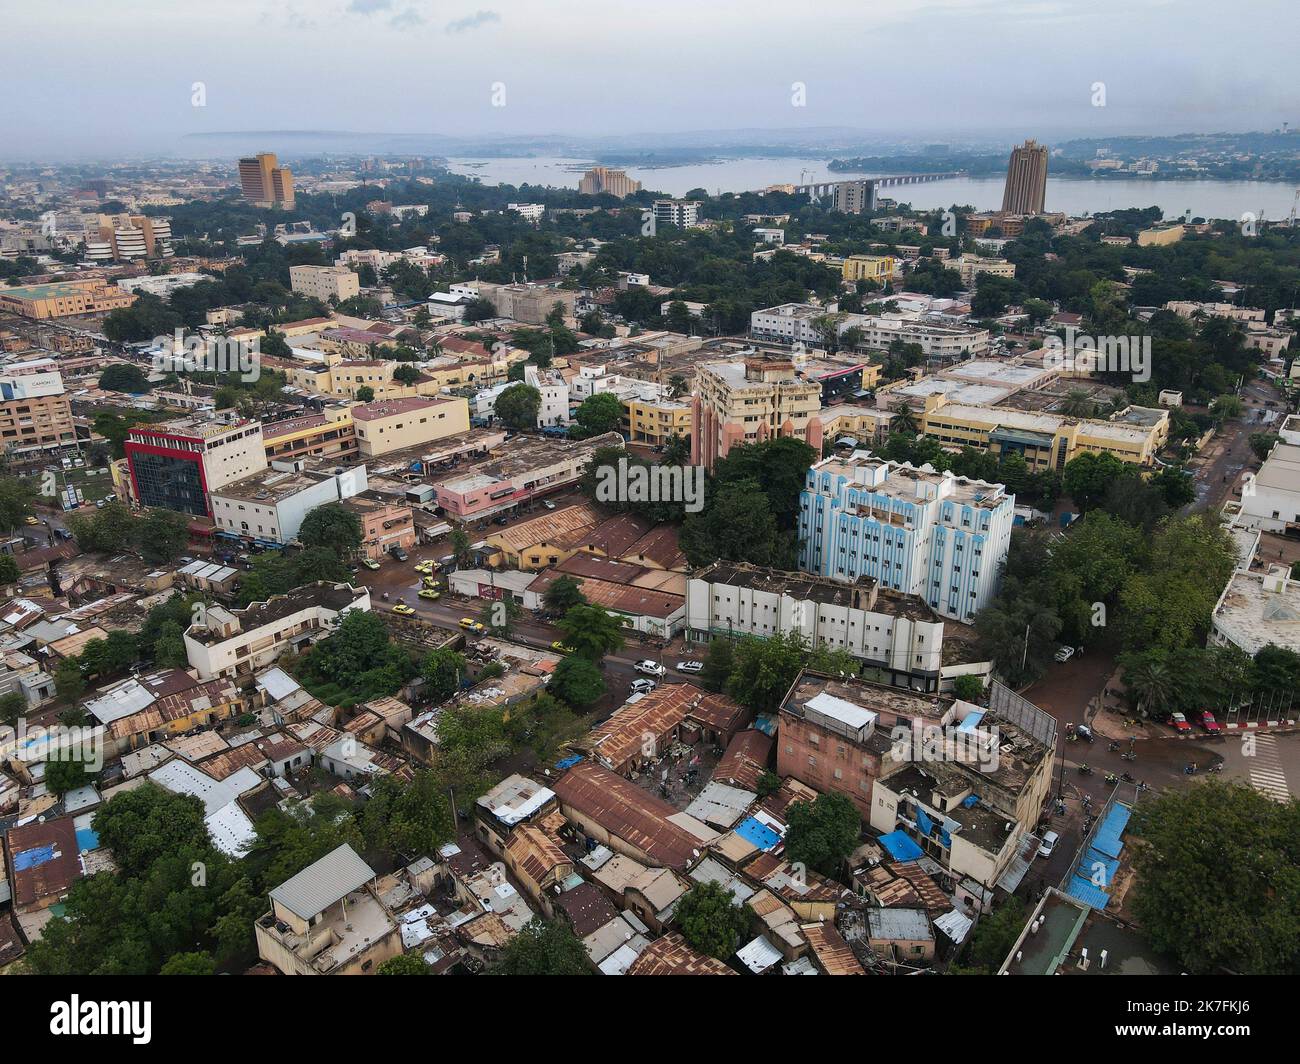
{"points": [[1267, 761], [1218, 471]]}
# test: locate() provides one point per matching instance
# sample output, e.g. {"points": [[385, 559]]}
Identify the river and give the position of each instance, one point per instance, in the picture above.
{"points": [[1209, 199]]}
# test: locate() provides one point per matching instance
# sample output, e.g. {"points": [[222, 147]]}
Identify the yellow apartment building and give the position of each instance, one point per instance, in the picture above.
{"points": [[656, 421], [392, 424], [1047, 441], [878, 268]]}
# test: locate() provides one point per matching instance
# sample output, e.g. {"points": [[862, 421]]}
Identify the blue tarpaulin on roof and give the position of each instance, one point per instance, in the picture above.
{"points": [[970, 800], [901, 846], [87, 839], [1083, 889], [767, 725], [924, 822], [754, 831], [945, 838], [569, 762], [31, 858], [1093, 862], [1107, 836]]}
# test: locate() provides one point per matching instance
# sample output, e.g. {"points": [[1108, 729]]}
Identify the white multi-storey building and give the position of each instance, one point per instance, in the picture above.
{"points": [[940, 537], [897, 634], [555, 396], [238, 643], [799, 323], [681, 213], [531, 211]]}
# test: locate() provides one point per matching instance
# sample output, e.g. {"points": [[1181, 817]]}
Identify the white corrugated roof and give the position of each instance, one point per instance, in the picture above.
{"points": [[838, 709], [320, 885]]}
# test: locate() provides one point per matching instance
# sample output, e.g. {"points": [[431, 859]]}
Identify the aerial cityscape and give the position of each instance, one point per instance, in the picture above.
{"points": [[797, 539]]}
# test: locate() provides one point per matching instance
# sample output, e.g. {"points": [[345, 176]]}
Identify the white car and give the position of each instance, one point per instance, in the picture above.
{"points": [[1065, 654], [1048, 844], [650, 668], [640, 687], [690, 666]]}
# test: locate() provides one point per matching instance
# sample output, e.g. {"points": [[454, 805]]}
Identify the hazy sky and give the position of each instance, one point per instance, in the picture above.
{"points": [[99, 77]]}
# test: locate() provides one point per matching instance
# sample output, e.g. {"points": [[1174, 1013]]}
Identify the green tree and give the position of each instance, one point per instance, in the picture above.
{"points": [[764, 669], [197, 963], [442, 671], [1217, 880], [718, 663], [710, 920], [67, 775], [333, 527], [121, 377], [543, 948], [994, 936], [577, 681], [460, 547], [592, 631], [9, 571], [518, 406], [15, 503], [599, 414], [69, 680], [408, 817], [562, 595], [12, 706], [498, 615], [403, 964], [162, 535], [968, 688], [365, 394], [822, 833]]}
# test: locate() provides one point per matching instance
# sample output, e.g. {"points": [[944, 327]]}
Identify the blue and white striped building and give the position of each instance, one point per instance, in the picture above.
{"points": [[940, 537]]}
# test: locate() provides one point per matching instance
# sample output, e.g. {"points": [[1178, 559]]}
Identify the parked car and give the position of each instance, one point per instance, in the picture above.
{"points": [[690, 666], [650, 668], [1179, 723], [640, 687], [430, 582], [471, 625], [403, 609], [1208, 722], [424, 568], [562, 648], [398, 553], [1065, 654], [370, 563], [1048, 844], [430, 594], [501, 519], [32, 520], [548, 504]]}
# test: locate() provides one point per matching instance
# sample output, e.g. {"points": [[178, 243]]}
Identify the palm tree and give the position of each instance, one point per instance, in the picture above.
{"points": [[1077, 404], [677, 451], [1152, 685], [904, 421]]}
